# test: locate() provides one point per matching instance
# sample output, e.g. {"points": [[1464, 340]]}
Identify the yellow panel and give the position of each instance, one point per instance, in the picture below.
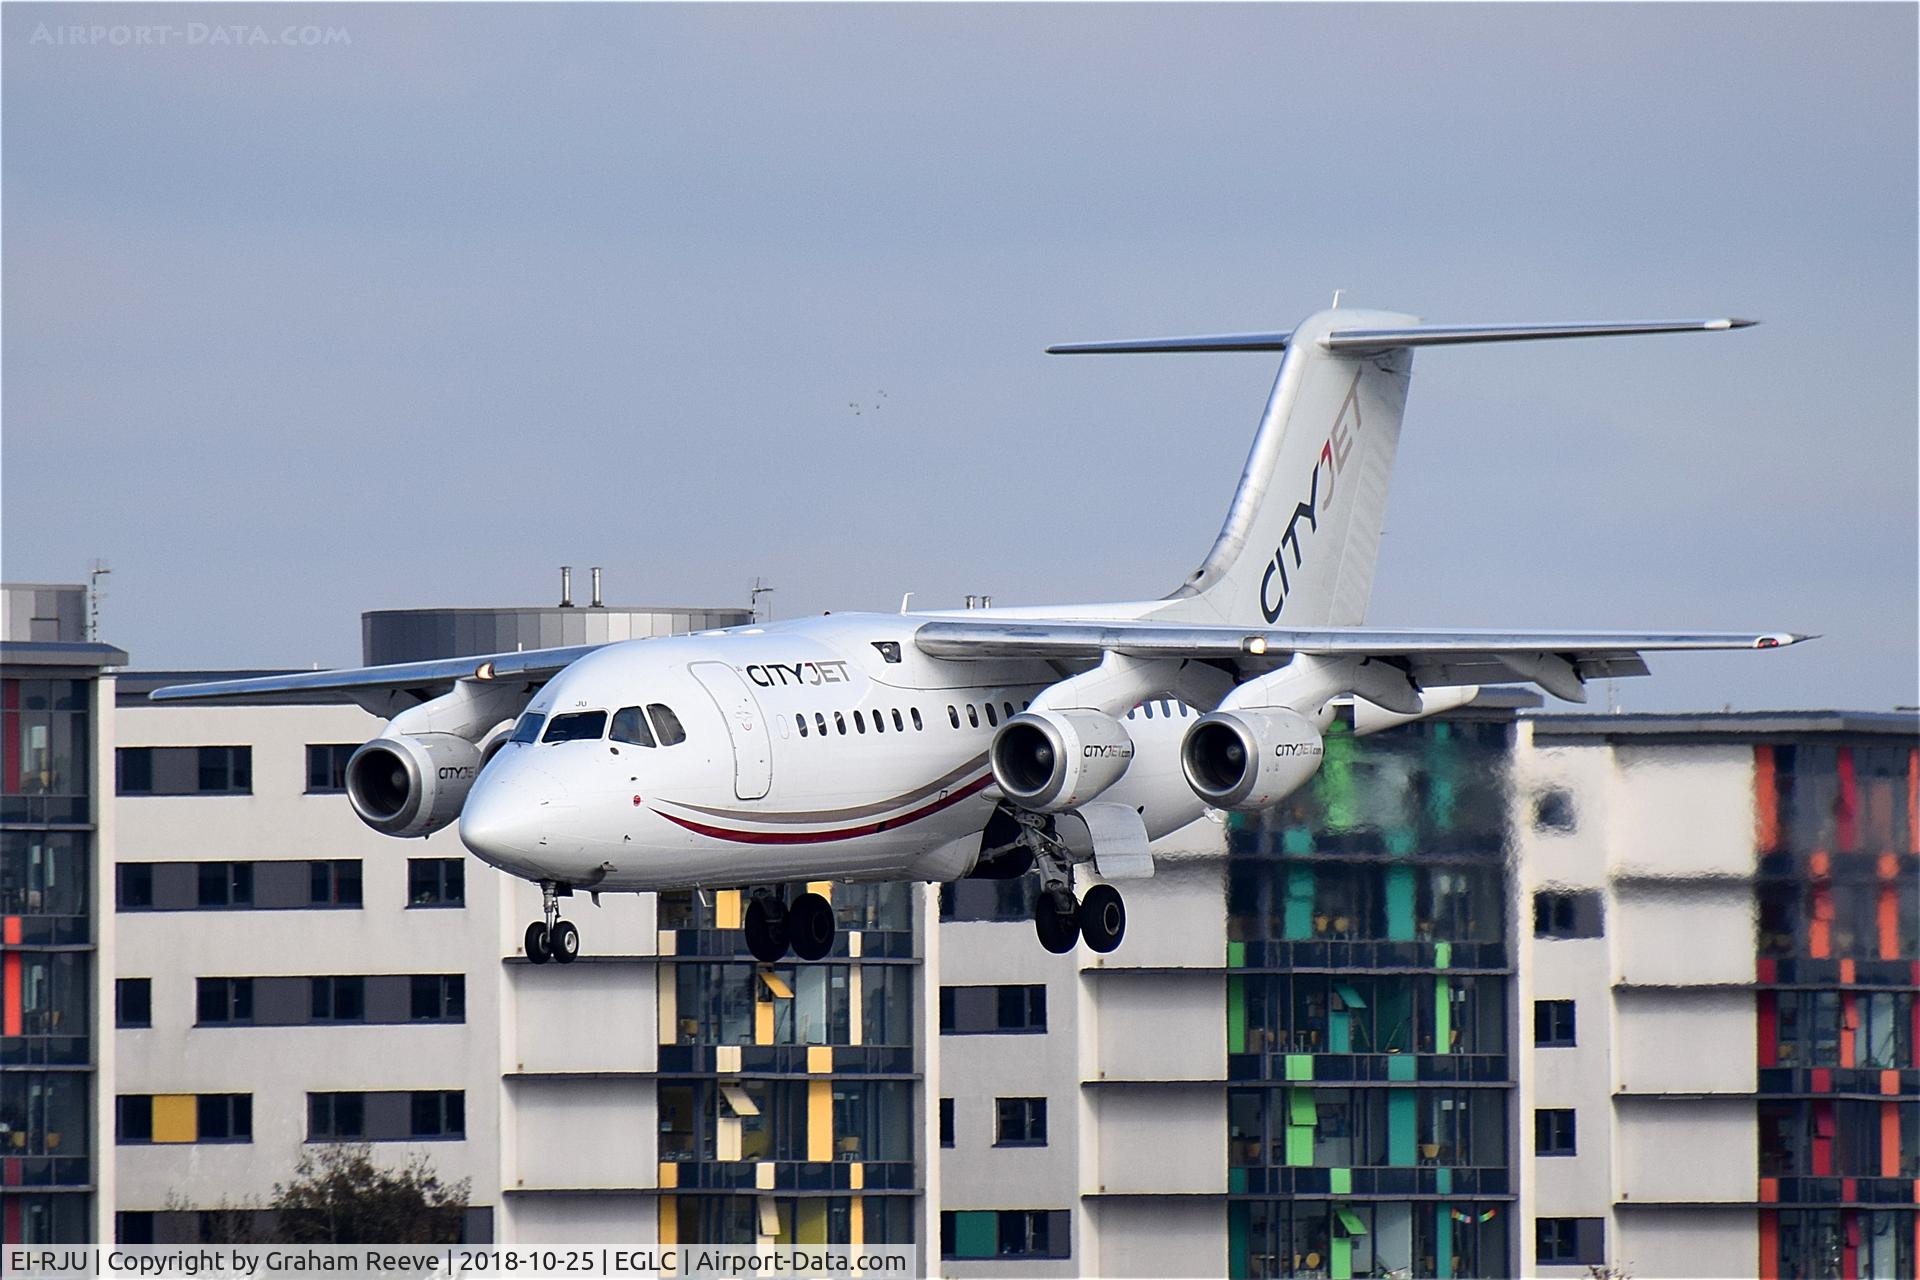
{"points": [[856, 1007], [822, 887], [857, 1176], [669, 1174], [726, 909], [176, 1117], [667, 996], [669, 1220], [857, 1221], [853, 943], [726, 1139], [776, 985], [769, 1218], [810, 1226], [763, 1178], [763, 1022], [819, 1059], [819, 1120], [726, 1057]]}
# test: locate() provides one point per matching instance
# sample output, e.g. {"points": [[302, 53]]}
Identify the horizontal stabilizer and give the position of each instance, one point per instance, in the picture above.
{"points": [[1141, 346], [1443, 335]]}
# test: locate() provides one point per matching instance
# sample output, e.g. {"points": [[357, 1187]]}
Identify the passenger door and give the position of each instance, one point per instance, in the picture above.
{"points": [[752, 747]]}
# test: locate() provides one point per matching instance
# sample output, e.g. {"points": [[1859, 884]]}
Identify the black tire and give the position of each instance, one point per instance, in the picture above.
{"points": [[537, 949], [1056, 923], [564, 942], [766, 932], [811, 926], [1103, 918]]}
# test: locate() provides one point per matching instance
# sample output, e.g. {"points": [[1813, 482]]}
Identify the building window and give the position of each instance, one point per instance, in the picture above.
{"points": [[339, 999], [136, 886], [226, 884], [1553, 810], [946, 1122], [1553, 1131], [1553, 1023], [221, 1001], [333, 1117], [226, 1117], [327, 766], [436, 882], [333, 882], [1005, 1233], [986, 1010], [439, 1114], [439, 997], [1569, 1241], [133, 1002], [185, 771], [1020, 1122], [989, 899], [1561, 914], [386, 1117], [183, 1118]]}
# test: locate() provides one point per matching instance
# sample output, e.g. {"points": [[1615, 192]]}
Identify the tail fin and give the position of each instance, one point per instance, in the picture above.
{"points": [[1301, 538]]}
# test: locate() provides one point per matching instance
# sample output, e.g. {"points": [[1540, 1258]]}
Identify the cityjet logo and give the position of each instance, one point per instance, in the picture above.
{"points": [[457, 772], [1333, 456], [768, 675], [1096, 751], [1286, 749]]}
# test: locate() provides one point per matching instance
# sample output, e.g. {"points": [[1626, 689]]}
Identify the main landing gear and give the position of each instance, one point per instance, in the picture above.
{"points": [[1060, 919], [552, 938], [773, 926]]}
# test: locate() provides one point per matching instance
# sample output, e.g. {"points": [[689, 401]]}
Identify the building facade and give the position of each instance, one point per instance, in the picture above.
{"points": [[56, 836]]}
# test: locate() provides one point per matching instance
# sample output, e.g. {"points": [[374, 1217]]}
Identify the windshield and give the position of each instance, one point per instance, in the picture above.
{"points": [[666, 725], [528, 730], [576, 726], [630, 726]]}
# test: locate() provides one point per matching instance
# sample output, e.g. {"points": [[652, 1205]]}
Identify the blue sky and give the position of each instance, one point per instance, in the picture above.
{"points": [[416, 316]]}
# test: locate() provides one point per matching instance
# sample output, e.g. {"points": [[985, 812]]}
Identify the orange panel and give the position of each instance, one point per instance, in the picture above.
{"points": [[1820, 928], [1819, 863], [1890, 1081], [1849, 1021], [1887, 921], [10, 995], [10, 931], [1913, 826], [1766, 800], [1847, 973], [1889, 1139], [1769, 1268]]}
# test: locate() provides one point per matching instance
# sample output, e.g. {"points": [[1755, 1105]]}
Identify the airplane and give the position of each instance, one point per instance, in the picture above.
{"points": [[992, 742]]}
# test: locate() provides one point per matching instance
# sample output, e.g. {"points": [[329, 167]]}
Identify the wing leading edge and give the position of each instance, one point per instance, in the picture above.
{"points": [[436, 676]]}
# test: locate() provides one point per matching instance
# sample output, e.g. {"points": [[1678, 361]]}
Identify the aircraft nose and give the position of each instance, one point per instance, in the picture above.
{"points": [[510, 812]]}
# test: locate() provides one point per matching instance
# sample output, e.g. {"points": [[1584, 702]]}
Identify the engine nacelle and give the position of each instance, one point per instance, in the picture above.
{"points": [[1250, 759], [412, 784], [1049, 761]]}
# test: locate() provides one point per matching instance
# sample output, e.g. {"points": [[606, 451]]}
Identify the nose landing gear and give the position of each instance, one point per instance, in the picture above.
{"points": [[552, 938], [806, 925]]}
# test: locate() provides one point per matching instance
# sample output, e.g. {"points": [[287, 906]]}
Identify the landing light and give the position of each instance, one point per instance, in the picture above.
{"points": [[1256, 645]]}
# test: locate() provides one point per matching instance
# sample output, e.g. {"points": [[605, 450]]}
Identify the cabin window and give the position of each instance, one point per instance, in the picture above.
{"points": [[859, 722], [630, 726], [973, 715], [577, 726], [800, 718], [666, 725], [992, 719], [1008, 708], [820, 723], [953, 715], [528, 730], [879, 721], [899, 725], [915, 713], [840, 723]]}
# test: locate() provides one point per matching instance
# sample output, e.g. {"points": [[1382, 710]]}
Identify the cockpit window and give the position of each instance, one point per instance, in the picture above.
{"points": [[528, 730], [666, 725], [576, 726], [630, 726]]}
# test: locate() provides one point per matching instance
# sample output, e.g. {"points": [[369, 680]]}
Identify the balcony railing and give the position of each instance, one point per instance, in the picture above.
{"points": [[1431, 1181], [786, 1059], [794, 1175], [1371, 1068], [1342, 955]]}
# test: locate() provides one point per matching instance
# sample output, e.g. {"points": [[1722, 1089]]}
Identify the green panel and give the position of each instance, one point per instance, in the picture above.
{"points": [[1236, 955], [1339, 1033], [1341, 1259], [1402, 1068], [1236, 1180], [1299, 1145], [1400, 1126], [1393, 1014], [1350, 1222], [1347, 993], [976, 1234], [1443, 1181], [1340, 1181], [1300, 1108], [1401, 841], [1443, 1241], [1333, 785], [1299, 1066], [1442, 955], [1296, 841], [1236, 1015], [1297, 920], [1399, 892], [1239, 1266], [1442, 1016]]}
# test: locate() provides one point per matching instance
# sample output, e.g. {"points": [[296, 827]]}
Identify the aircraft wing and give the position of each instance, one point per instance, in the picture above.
{"points": [[1559, 661], [392, 686]]}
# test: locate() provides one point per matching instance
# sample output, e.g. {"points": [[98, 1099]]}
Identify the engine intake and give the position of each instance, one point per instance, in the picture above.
{"points": [[411, 784], [1250, 759], [1049, 761]]}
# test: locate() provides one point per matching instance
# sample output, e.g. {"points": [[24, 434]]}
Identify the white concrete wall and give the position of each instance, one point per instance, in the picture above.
{"points": [[1685, 1041], [581, 1219], [1158, 1237], [1687, 1150], [1159, 1026], [1683, 936], [1165, 1139], [588, 1016], [1683, 810], [572, 1135], [1687, 1244]]}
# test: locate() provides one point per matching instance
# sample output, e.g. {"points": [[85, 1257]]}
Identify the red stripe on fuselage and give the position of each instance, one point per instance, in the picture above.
{"points": [[841, 833]]}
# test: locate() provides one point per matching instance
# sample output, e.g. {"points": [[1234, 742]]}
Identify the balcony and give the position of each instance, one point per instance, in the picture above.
{"points": [[1337, 955], [1369, 1068], [785, 1059], [794, 1175], [1396, 1182]]}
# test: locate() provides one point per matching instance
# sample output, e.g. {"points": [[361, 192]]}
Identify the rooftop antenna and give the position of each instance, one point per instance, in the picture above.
{"points": [[1336, 298], [566, 586], [760, 588], [595, 571], [99, 571]]}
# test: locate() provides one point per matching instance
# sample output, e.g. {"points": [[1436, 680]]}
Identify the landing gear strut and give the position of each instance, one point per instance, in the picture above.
{"points": [[552, 938], [806, 924], [1060, 919]]}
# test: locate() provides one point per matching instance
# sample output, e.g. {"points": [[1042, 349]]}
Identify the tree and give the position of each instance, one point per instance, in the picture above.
{"points": [[339, 1196]]}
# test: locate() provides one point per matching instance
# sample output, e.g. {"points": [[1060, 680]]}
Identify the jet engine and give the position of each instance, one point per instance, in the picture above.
{"points": [[409, 784], [1051, 761], [1250, 758]]}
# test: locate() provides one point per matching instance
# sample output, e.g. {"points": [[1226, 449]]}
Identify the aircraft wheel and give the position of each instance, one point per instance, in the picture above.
{"points": [[538, 952], [1103, 918], [1057, 922], [563, 940], [811, 926], [766, 932]]}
